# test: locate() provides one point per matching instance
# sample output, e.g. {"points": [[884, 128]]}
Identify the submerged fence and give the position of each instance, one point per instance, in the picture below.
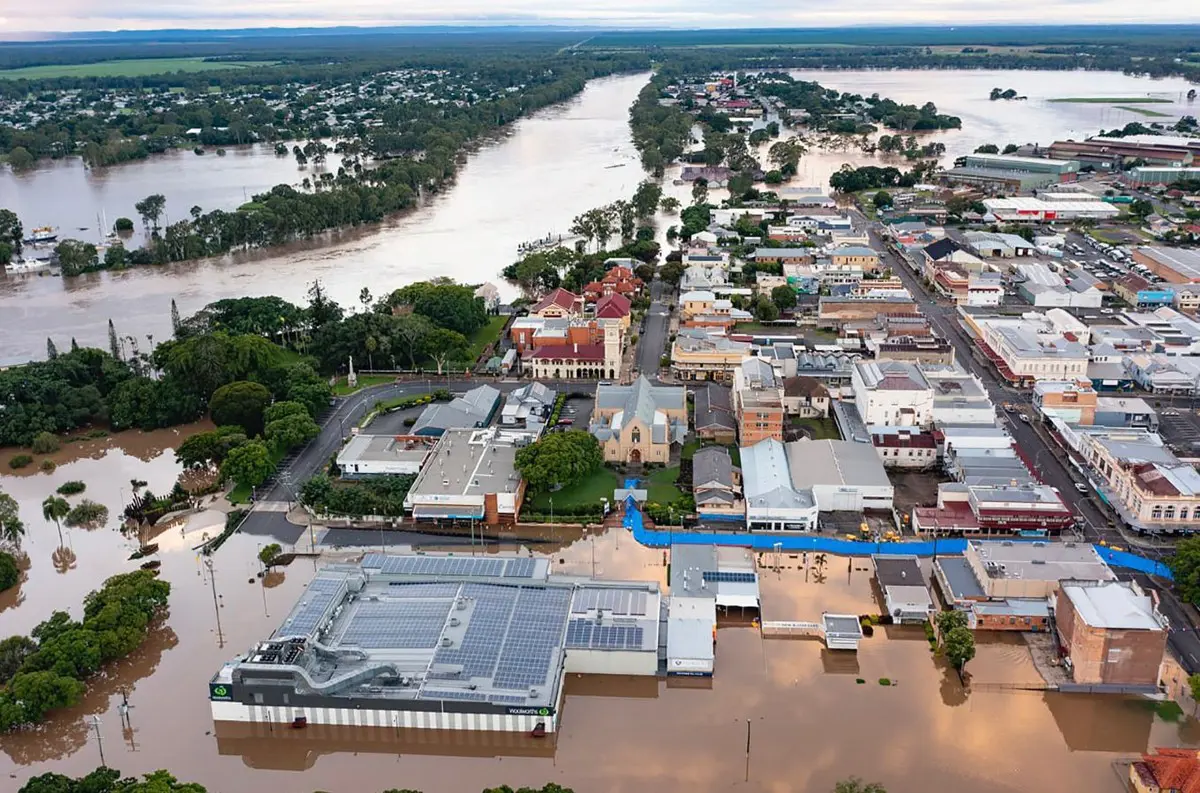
{"points": [[799, 542]]}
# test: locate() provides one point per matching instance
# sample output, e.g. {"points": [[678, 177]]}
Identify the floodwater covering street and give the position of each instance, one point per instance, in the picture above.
{"points": [[815, 716]]}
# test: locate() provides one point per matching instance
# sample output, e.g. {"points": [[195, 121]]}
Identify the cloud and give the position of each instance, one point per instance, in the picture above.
{"points": [[74, 15]]}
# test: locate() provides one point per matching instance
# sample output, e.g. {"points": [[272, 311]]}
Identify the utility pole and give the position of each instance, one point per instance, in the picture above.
{"points": [[212, 579], [99, 740]]}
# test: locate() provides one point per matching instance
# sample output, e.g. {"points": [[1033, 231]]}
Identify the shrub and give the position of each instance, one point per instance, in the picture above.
{"points": [[71, 488], [883, 681], [87, 514], [20, 461], [408, 422], [48, 466], [45, 443]]}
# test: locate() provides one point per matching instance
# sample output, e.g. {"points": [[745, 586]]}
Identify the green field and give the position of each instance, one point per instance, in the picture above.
{"points": [[1113, 100], [1141, 111], [589, 491], [139, 67]]}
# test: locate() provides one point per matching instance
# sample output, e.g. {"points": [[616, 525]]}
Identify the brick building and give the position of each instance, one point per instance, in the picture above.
{"points": [[1111, 633]]}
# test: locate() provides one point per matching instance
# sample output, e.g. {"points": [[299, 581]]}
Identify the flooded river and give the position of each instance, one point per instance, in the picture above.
{"points": [[546, 170], [811, 721], [542, 173]]}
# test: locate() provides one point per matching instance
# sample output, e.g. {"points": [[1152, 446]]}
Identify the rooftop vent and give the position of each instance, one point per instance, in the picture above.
{"points": [[447, 641]]}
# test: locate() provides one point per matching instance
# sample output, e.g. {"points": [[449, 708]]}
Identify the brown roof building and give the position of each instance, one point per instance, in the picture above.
{"points": [[1166, 771], [1112, 633]]}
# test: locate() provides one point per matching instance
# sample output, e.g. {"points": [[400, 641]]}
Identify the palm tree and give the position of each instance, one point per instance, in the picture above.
{"points": [[11, 527], [55, 508]]}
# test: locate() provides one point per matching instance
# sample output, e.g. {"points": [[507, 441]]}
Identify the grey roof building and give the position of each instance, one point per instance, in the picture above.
{"points": [[527, 406], [473, 409], [713, 479], [656, 407], [714, 417]]}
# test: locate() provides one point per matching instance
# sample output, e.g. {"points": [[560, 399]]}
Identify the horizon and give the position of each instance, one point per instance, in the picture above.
{"points": [[80, 17]]}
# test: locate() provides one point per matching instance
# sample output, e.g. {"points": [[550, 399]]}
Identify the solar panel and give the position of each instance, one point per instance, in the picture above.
{"points": [[456, 566], [617, 601], [465, 696], [321, 593], [401, 624], [506, 699], [533, 638], [590, 635], [404, 589], [484, 637], [732, 578]]}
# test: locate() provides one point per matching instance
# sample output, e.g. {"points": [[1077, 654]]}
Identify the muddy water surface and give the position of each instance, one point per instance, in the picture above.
{"points": [[811, 721]]}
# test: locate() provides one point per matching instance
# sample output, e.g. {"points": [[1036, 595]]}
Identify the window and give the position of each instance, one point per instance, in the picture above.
{"points": [[1156, 513], [258, 699], [1169, 512], [1183, 513], [636, 435]]}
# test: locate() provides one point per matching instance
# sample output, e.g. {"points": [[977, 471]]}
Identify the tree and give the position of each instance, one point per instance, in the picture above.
{"points": [[75, 257], [959, 646], [151, 209], [445, 345], [10, 574], [248, 464], [13, 651], [114, 257], [765, 309], [1185, 566], [290, 431], [856, 785], [445, 304], [11, 527], [321, 310], [646, 197], [784, 297], [949, 620], [1011, 148], [700, 191], [671, 273], [669, 204], [1141, 208], [1193, 687], [242, 404], [176, 323], [988, 148], [56, 508], [20, 159], [364, 297], [560, 458], [51, 350], [123, 225], [882, 200], [45, 443], [11, 230], [209, 448], [269, 554], [114, 346]]}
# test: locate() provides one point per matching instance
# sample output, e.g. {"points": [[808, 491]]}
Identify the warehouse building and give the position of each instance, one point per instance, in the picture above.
{"points": [[1154, 176], [439, 642], [1175, 265], [1034, 210], [470, 475]]}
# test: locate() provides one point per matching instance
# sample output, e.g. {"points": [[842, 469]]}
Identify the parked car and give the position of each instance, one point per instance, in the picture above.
{"points": [[1024, 418], [1081, 487], [566, 422], [1010, 407]]}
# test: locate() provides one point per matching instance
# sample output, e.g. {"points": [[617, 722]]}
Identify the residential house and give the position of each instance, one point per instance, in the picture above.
{"points": [[785, 255], [1166, 771], [639, 423], [527, 407], [618, 280], [945, 252], [714, 417], [558, 304], [805, 397], [716, 485], [1187, 298], [757, 401]]}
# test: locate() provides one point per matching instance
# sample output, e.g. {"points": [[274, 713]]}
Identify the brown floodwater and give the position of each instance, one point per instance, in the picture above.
{"points": [[811, 721]]}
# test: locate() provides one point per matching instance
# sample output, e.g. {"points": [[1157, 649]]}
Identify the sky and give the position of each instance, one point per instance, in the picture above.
{"points": [[77, 15]]}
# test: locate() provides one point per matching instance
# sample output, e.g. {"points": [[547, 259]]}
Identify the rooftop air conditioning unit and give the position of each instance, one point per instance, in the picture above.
{"points": [[461, 604], [455, 622], [533, 692], [447, 641]]}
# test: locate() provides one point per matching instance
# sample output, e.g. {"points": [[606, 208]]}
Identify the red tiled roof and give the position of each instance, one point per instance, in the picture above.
{"points": [[559, 297], [1174, 769], [612, 306], [571, 352], [919, 440], [1151, 479]]}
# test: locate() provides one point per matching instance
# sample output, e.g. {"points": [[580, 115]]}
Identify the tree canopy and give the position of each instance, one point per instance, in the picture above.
{"points": [[559, 458], [240, 404], [1185, 566]]}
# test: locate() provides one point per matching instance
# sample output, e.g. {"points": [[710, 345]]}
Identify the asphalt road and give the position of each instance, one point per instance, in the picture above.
{"points": [[1182, 636], [943, 316], [653, 341]]}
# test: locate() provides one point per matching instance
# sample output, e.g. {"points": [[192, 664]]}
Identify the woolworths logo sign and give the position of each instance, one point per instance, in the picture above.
{"points": [[220, 691]]}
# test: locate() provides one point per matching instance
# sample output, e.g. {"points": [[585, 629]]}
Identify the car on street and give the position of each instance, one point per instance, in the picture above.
{"points": [[566, 422], [1024, 418], [1081, 487], [1010, 407]]}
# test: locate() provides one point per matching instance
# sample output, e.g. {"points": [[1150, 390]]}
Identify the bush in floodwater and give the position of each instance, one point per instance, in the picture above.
{"points": [[20, 461], [87, 514], [123, 224], [884, 681], [71, 488], [45, 443], [48, 466]]}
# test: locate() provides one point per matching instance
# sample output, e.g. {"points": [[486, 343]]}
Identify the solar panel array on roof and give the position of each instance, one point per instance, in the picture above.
{"points": [[322, 591], [506, 699], [400, 624], [533, 638], [618, 601], [485, 631], [586, 634], [464, 566], [402, 589], [716, 577]]}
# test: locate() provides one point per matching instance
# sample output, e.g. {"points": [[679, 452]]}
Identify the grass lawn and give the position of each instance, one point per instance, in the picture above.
{"points": [[136, 67], [364, 380], [595, 487], [690, 448], [1112, 100], [820, 429], [486, 335], [660, 485]]}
